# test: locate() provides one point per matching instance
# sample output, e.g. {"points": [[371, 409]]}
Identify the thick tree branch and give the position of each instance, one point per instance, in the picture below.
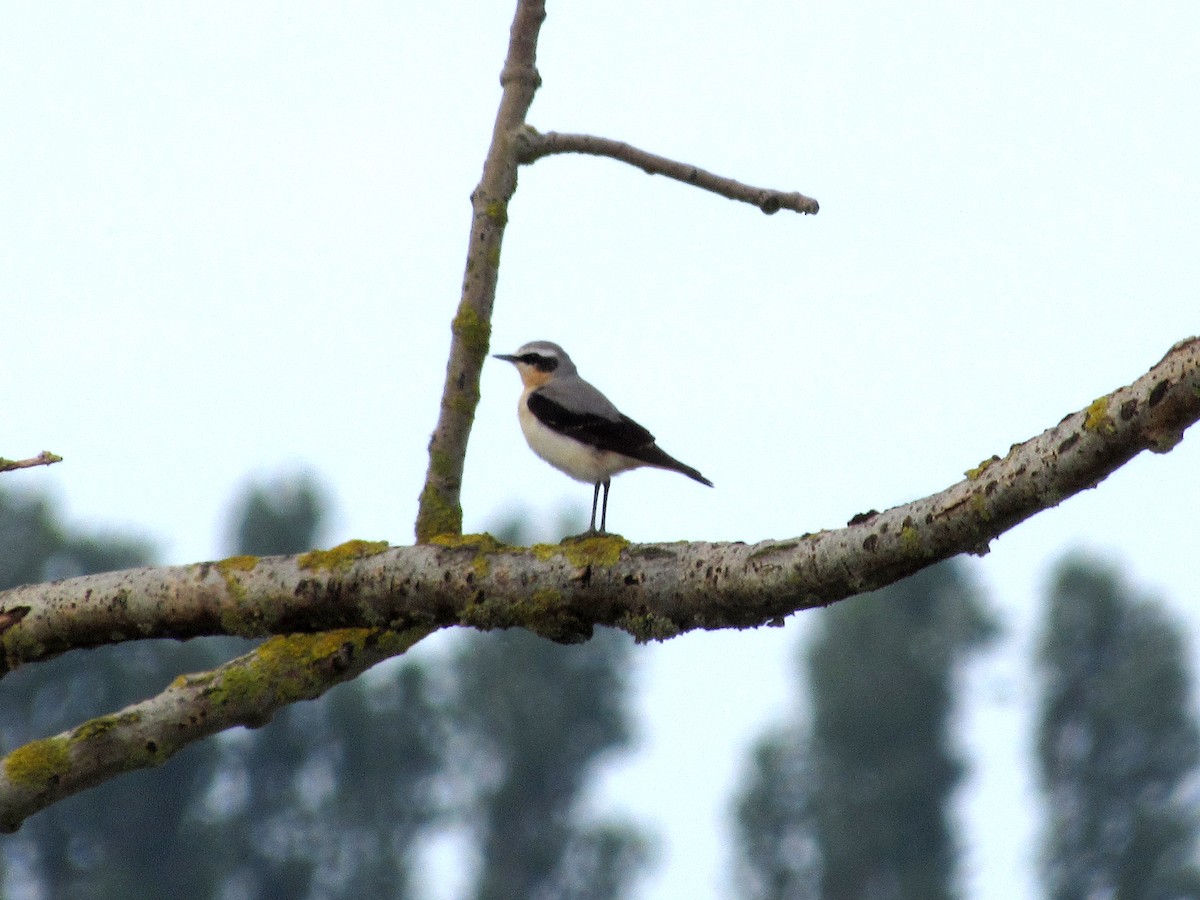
{"points": [[368, 601], [533, 145], [45, 458], [244, 691], [440, 509], [653, 591]]}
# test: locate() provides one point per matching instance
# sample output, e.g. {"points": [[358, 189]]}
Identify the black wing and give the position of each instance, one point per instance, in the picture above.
{"points": [[621, 435]]}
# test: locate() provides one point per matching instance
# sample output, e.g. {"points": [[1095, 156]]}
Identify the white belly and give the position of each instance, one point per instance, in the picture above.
{"points": [[581, 462]]}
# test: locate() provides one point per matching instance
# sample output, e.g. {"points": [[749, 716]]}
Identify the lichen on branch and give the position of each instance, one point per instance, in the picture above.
{"points": [[439, 508], [337, 612], [245, 691]]}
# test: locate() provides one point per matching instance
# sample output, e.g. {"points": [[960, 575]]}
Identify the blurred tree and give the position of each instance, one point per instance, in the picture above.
{"points": [[855, 806], [1117, 743], [38, 546], [778, 856], [329, 798], [279, 516], [127, 837], [531, 720]]}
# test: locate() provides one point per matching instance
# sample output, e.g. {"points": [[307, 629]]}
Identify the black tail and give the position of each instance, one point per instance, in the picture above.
{"points": [[654, 456]]}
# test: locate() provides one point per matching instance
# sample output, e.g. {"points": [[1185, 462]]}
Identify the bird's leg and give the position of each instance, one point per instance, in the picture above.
{"points": [[604, 508], [595, 500]]}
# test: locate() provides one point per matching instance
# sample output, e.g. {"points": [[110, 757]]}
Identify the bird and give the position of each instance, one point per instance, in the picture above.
{"points": [[575, 428]]}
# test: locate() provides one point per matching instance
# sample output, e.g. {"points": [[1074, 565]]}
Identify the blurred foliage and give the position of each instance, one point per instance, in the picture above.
{"points": [[39, 547], [335, 798], [532, 720], [279, 516], [129, 836], [502, 736], [854, 805], [329, 797], [1118, 744], [778, 854]]}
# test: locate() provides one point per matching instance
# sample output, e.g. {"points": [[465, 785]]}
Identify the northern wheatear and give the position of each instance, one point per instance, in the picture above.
{"points": [[576, 429]]}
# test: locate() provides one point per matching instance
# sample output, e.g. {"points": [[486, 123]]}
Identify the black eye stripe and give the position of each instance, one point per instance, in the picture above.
{"points": [[539, 362]]}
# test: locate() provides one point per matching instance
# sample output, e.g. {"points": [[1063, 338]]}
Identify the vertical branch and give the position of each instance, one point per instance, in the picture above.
{"points": [[440, 510]]}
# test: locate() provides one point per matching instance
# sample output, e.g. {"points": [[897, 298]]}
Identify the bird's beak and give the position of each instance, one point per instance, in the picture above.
{"points": [[506, 357]]}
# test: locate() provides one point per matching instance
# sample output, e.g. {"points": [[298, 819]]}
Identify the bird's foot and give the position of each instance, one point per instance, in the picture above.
{"points": [[584, 535]]}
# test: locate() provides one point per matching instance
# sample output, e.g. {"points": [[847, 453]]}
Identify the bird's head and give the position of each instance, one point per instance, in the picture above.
{"points": [[539, 362]]}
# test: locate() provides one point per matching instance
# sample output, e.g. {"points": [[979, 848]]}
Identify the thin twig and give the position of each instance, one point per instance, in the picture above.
{"points": [[533, 145], [45, 458]]}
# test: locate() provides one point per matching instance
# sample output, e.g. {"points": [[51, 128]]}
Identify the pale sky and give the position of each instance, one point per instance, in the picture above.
{"points": [[234, 238]]}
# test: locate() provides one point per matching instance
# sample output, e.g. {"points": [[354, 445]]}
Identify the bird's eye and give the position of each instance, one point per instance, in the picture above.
{"points": [[541, 363]]}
